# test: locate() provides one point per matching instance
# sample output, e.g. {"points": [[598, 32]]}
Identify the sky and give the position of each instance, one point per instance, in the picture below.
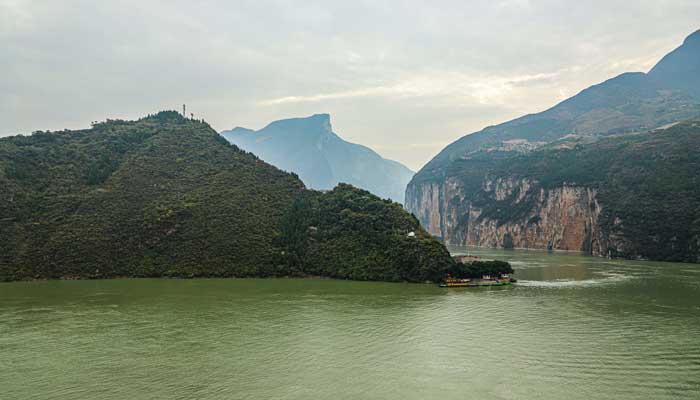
{"points": [[405, 78]]}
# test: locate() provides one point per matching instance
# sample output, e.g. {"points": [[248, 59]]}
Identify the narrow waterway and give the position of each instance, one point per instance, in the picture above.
{"points": [[573, 327]]}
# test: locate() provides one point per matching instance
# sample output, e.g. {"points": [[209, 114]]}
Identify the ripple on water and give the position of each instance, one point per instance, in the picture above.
{"points": [[609, 278]]}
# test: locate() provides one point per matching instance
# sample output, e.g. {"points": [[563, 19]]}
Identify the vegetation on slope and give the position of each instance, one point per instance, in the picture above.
{"points": [[167, 196], [163, 196], [350, 233]]}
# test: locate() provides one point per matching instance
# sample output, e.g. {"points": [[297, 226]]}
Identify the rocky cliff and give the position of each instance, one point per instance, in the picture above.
{"points": [[562, 218]]}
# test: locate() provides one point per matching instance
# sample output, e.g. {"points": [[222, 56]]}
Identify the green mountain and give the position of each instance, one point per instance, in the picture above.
{"points": [[168, 196], [310, 148], [456, 193], [350, 233]]}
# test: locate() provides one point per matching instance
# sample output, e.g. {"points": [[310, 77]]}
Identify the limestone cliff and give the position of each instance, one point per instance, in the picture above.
{"points": [[562, 218]]}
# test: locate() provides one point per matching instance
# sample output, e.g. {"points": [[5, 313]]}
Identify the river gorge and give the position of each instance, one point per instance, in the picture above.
{"points": [[573, 326]]}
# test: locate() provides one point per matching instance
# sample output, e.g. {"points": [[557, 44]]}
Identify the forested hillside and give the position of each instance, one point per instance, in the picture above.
{"points": [[350, 233], [163, 196]]}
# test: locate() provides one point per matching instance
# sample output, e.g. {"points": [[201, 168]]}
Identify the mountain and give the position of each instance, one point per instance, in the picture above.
{"points": [[310, 148], [168, 196], [455, 194], [679, 69], [622, 196]]}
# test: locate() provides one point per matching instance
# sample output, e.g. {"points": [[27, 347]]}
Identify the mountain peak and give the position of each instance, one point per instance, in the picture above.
{"points": [[321, 117], [680, 69], [240, 129], [317, 124], [321, 120], [693, 38]]}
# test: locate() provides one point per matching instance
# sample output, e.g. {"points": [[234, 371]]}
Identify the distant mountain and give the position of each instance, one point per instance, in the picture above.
{"points": [[167, 196], [459, 196], [310, 148]]}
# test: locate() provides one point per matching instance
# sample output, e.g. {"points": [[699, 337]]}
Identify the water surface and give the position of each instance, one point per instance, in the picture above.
{"points": [[574, 327]]}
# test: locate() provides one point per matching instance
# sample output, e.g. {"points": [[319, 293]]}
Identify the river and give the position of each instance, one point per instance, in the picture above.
{"points": [[574, 327]]}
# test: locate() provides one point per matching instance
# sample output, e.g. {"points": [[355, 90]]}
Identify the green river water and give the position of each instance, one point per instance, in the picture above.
{"points": [[574, 327]]}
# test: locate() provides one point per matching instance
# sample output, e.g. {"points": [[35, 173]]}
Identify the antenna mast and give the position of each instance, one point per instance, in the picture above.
{"points": [[184, 111]]}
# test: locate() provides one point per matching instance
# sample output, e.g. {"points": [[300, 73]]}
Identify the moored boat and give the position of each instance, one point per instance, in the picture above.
{"points": [[486, 280], [454, 282]]}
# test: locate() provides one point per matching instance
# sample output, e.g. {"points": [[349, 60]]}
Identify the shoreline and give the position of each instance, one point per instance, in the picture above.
{"points": [[578, 252], [307, 277]]}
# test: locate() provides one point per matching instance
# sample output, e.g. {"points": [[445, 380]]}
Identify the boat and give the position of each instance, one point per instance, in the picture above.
{"points": [[486, 280], [454, 282]]}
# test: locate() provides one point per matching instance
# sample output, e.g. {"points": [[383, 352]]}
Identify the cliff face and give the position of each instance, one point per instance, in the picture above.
{"points": [[425, 202], [562, 218]]}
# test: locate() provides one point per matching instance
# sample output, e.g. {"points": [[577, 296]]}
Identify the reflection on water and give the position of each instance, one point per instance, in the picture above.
{"points": [[573, 327]]}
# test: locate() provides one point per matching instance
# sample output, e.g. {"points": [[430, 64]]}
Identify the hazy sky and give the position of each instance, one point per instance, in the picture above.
{"points": [[403, 77]]}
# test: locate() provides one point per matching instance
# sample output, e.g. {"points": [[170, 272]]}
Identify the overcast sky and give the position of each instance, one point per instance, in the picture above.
{"points": [[403, 77]]}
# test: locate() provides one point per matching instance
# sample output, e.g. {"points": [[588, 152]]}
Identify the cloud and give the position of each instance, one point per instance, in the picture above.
{"points": [[376, 91], [446, 84]]}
